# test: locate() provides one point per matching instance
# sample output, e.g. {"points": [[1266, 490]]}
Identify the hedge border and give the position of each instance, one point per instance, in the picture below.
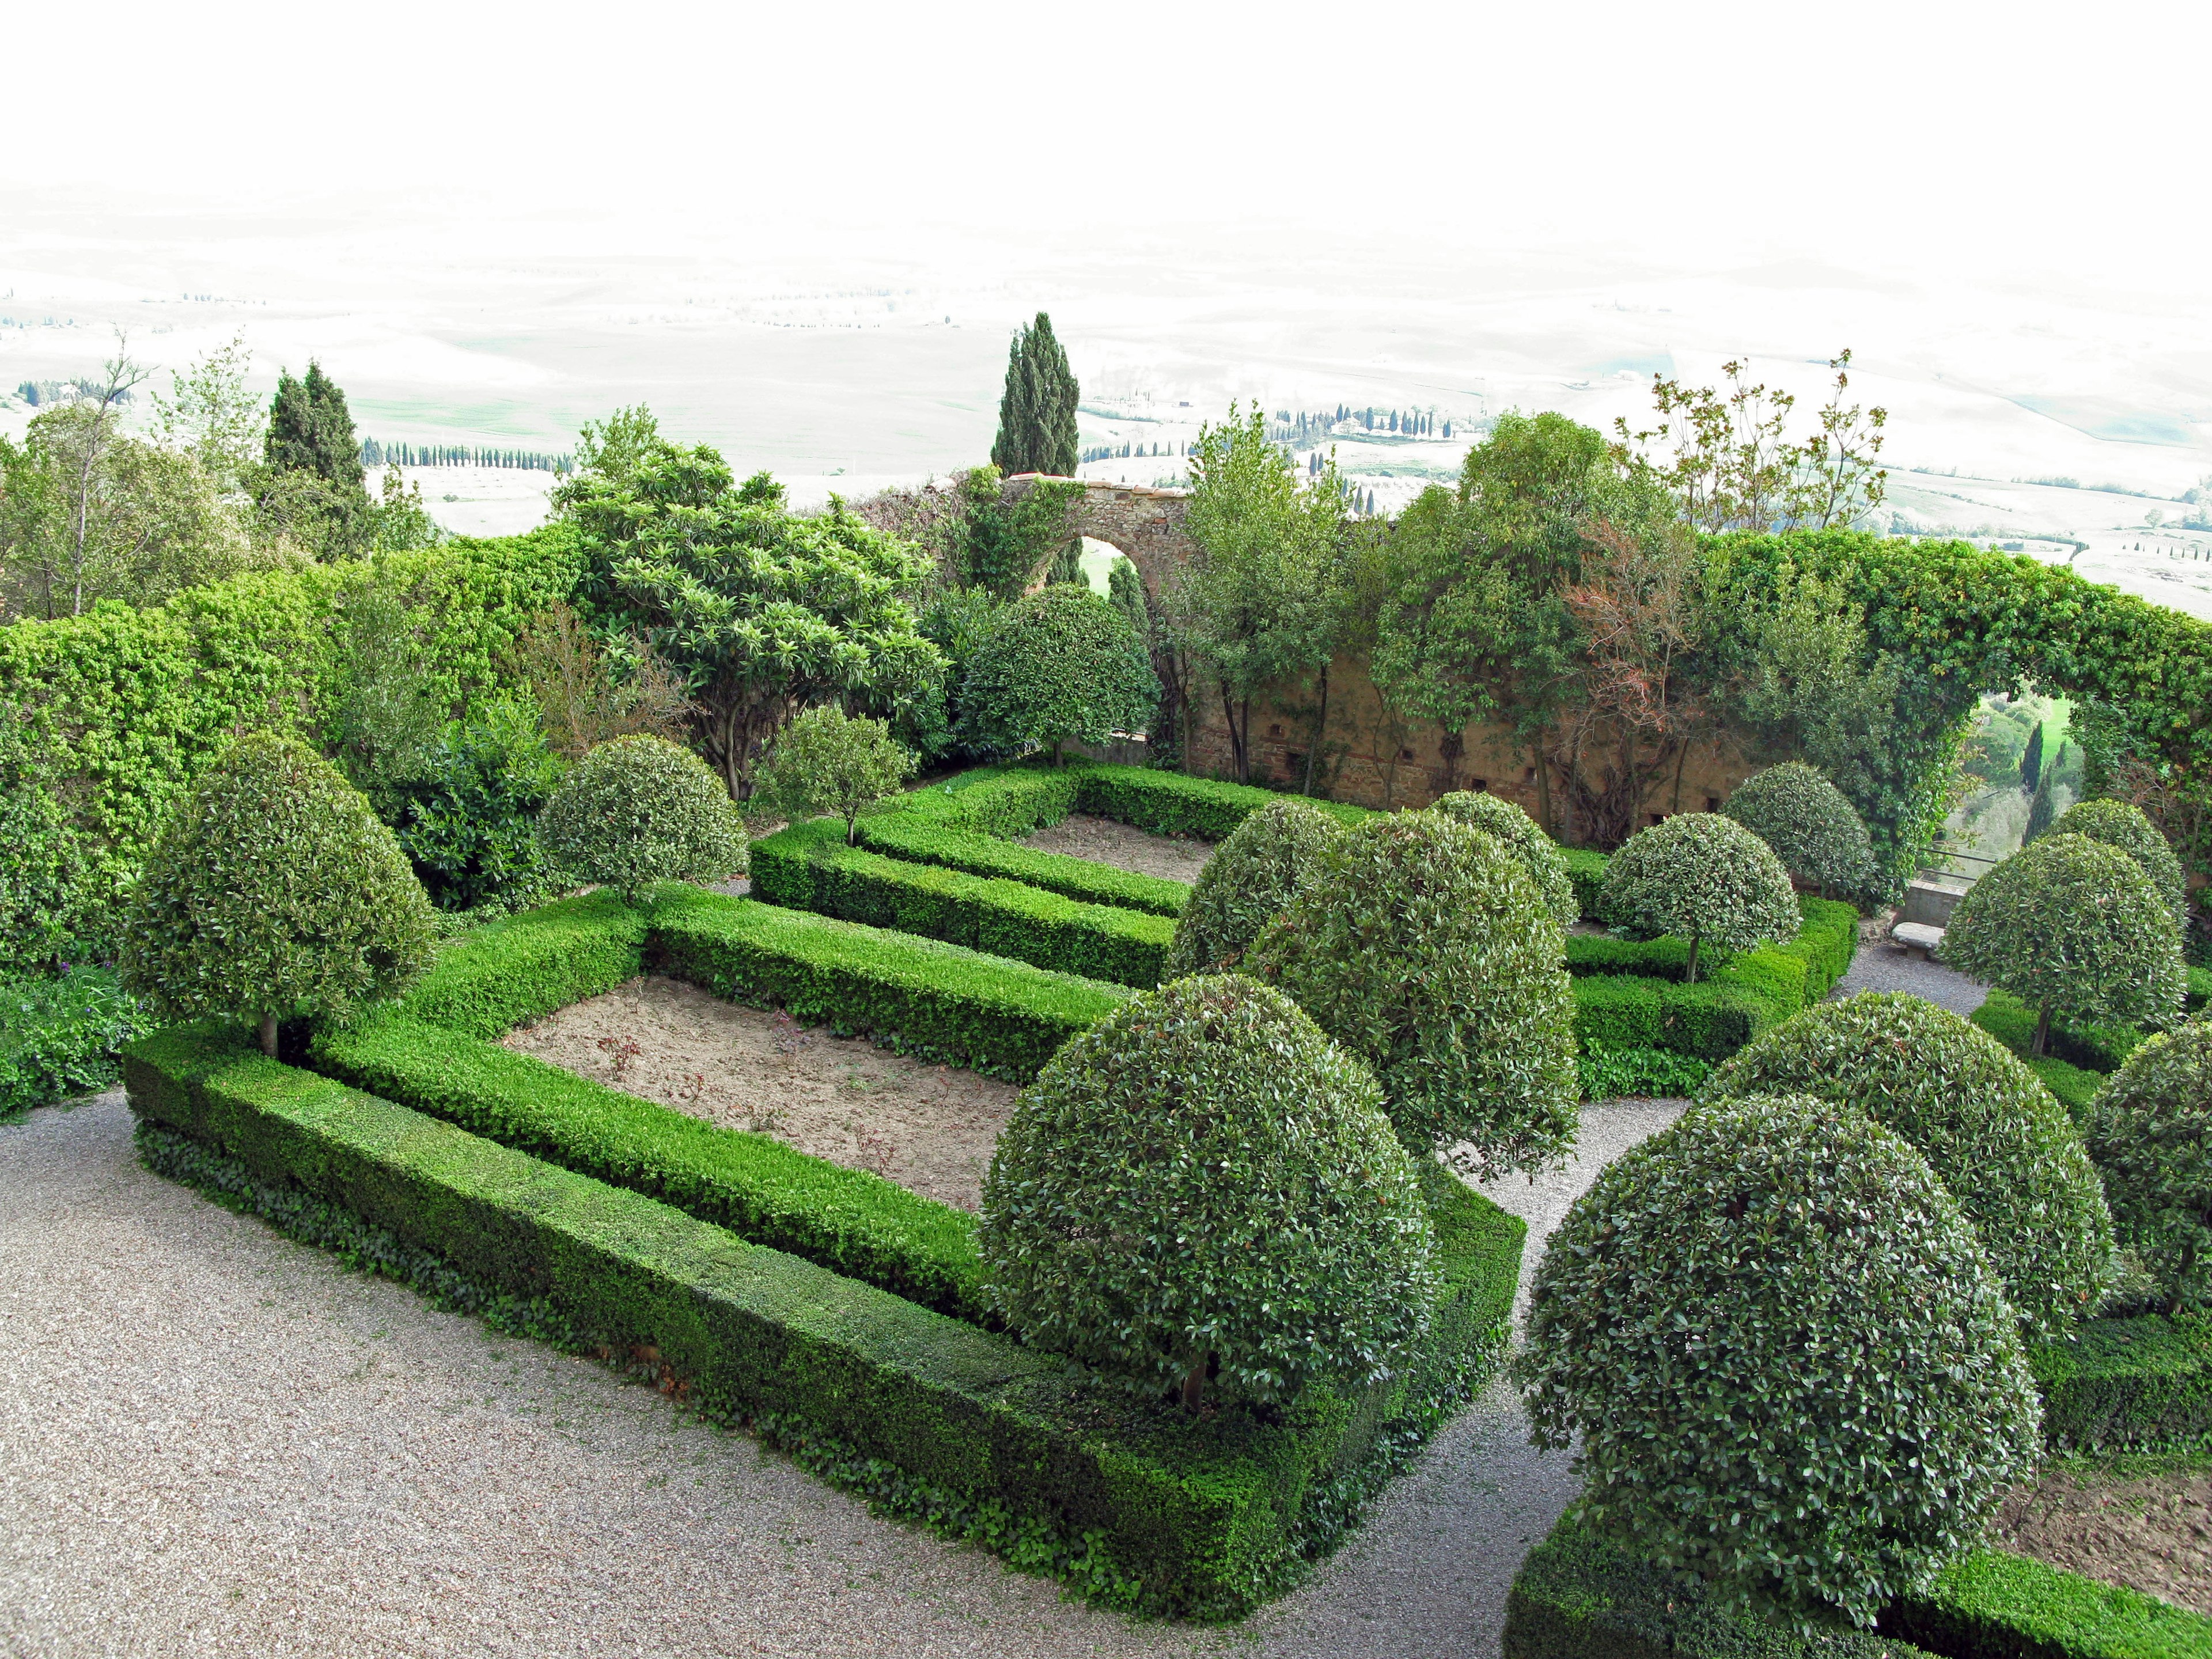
{"points": [[2143, 1383], [906, 835], [2097, 1049]]}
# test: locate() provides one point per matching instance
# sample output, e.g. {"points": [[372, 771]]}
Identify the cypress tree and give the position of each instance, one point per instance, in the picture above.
{"points": [[1067, 564], [310, 429], [2031, 760], [1036, 414]]}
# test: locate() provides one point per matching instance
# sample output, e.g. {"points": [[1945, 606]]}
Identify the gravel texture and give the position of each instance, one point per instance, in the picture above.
{"points": [[1105, 840], [1880, 966]]}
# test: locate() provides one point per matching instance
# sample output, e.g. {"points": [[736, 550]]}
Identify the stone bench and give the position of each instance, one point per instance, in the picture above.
{"points": [[1917, 936]]}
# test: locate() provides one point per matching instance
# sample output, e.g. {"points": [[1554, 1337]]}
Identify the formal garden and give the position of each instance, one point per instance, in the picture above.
{"points": [[1127, 1227]]}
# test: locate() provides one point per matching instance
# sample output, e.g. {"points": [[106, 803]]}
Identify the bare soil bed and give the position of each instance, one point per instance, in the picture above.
{"points": [[1103, 841], [931, 1128], [2153, 1533]]}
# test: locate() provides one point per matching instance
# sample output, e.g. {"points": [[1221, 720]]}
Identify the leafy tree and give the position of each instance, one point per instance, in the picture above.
{"points": [[1060, 663], [639, 811], [1704, 877], [2122, 825], [1809, 823], [211, 416], [825, 763], [1067, 563], [1125, 588], [1036, 414], [2150, 1133], [1250, 880], [1517, 833], [583, 699], [465, 811], [273, 894], [2031, 761], [309, 492]]}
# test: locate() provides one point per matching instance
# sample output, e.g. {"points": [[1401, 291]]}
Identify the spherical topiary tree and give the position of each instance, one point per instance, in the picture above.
{"points": [[273, 893], [1248, 881], [1538, 852], [1993, 1132], [2071, 926], [642, 810], [1203, 1186], [1704, 877], [1812, 829], [2149, 1132], [825, 762], [1060, 663], [1426, 951], [2118, 823], [1785, 1355]]}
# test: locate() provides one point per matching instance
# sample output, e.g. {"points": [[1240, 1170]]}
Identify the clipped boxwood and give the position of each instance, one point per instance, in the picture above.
{"points": [[1829, 1395], [2150, 1133], [1425, 949], [1250, 880], [2118, 823], [639, 811], [1586, 868], [1704, 877], [1815, 832], [1495, 816], [1203, 1190], [2005, 1149], [918, 840], [2139, 1383]]}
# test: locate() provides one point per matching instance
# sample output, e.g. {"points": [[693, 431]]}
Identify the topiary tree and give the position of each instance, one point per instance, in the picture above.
{"points": [[639, 810], [1249, 880], [1061, 663], [274, 893], [2149, 1132], [1425, 949], [2118, 823], [1815, 832], [1784, 1357], [1539, 853], [1704, 877], [1993, 1132], [2071, 926], [825, 763], [1203, 1187]]}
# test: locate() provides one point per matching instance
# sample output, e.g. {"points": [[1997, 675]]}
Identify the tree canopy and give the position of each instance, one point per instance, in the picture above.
{"points": [[1036, 414]]}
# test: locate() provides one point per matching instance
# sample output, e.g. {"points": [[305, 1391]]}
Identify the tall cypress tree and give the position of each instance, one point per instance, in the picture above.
{"points": [[311, 431], [2031, 761], [1036, 413]]}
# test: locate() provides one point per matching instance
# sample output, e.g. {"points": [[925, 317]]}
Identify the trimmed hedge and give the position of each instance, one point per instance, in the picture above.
{"points": [[2138, 1384], [2099, 1049], [1996, 1605], [909, 836], [1012, 800], [518, 970], [1710, 1020], [1200, 1517], [808, 866], [1586, 869]]}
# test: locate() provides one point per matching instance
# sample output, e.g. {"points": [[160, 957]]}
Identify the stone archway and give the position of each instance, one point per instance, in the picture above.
{"points": [[1147, 525]]}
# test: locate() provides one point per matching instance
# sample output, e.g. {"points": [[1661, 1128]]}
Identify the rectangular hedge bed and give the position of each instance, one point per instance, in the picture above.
{"points": [[832, 1311]]}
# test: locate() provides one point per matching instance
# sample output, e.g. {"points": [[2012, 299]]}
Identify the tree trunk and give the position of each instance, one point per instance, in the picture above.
{"points": [[1690, 973], [1193, 1384], [1450, 746], [1320, 729], [1236, 756], [1544, 786], [2042, 1043], [269, 1035], [1681, 760]]}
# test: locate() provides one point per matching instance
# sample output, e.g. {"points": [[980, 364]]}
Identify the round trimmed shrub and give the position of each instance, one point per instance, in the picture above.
{"points": [[643, 810], [1705, 879], [2149, 1132], [1060, 663], [1785, 1356], [1539, 853], [2071, 927], [1203, 1186], [826, 763], [1815, 832], [1998, 1141], [1426, 951], [1249, 880], [273, 893], [2121, 824]]}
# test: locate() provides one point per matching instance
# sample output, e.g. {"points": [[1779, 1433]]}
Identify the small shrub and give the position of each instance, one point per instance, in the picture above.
{"points": [[466, 810], [1784, 1356], [639, 810], [2004, 1148], [1424, 948], [1813, 830], [1249, 880], [1538, 853], [825, 763], [2117, 824], [1706, 878], [1203, 1187], [273, 893], [2149, 1132], [1060, 663], [2071, 927], [58, 1037]]}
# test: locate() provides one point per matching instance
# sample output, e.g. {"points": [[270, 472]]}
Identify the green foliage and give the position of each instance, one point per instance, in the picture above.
{"points": [[1704, 877], [1061, 664], [2072, 927], [1832, 1397], [517, 970], [956, 620], [2150, 1133], [1036, 413], [58, 1037], [1424, 948], [641, 811], [825, 762], [308, 490], [1250, 879], [2003, 1147], [1992, 1604], [1708, 1021], [1204, 1187], [913, 837], [1811, 827], [2117, 824], [1586, 869], [1608, 1073], [1005, 542], [1539, 853], [2139, 1384], [2095, 1050], [465, 811], [2031, 761], [273, 894]]}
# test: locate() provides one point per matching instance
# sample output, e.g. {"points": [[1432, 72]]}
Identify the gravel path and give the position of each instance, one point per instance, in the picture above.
{"points": [[219, 1442], [1884, 966]]}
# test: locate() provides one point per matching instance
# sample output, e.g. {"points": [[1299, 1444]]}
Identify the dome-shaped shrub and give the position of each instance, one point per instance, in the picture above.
{"points": [[1060, 663], [1813, 830], [2071, 926], [1786, 1358], [642, 810], [2117, 824], [1704, 877], [1495, 816], [1202, 1181], [1428, 953], [274, 893], [1248, 881], [2149, 1132], [2003, 1147]]}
